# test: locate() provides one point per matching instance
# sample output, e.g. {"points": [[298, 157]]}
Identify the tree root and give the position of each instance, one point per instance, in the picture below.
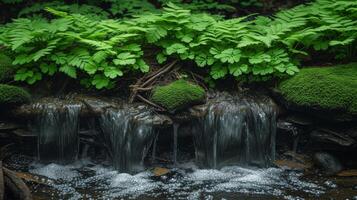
{"points": [[16, 186]]}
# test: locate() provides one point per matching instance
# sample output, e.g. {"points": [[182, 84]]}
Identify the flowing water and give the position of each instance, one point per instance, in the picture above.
{"points": [[57, 129], [128, 136], [237, 130], [234, 150]]}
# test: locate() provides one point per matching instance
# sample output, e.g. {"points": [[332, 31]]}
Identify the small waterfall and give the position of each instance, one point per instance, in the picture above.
{"points": [[236, 130], [57, 130], [128, 134]]}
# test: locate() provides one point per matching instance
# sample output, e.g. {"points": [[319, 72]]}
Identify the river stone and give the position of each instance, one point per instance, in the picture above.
{"points": [[329, 163], [332, 137]]}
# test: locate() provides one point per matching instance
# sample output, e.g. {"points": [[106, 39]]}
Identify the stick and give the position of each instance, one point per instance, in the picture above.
{"points": [[159, 74], [150, 103], [18, 188]]}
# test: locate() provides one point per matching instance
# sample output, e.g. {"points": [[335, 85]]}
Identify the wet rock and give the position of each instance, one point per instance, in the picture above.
{"points": [[329, 163], [6, 126], [159, 171], [21, 133], [96, 106], [301, 120], [287, 127], [198, 111], [292, 164], [331, 137], [161, 120]]}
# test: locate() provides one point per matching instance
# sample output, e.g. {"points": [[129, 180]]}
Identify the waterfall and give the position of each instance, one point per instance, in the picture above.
{"points": [[57, 130], [236, 131], [128, 134]]}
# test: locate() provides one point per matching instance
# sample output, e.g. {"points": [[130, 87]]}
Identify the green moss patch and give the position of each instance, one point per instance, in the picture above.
{"points": [[178, 95], [330, 88], [6, 70], [12, 95]]}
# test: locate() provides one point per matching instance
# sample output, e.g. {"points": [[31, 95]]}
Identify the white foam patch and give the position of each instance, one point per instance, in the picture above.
{"points": [[182, 183], [55, 171]]}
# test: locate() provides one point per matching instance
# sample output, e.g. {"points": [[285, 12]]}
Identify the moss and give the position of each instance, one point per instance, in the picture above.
{"points": [[13, 95], [178, 95], [330, 88], [6, 70]]}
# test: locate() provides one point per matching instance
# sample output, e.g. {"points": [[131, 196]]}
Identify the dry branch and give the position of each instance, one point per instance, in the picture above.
{"points": [[145, 83]]}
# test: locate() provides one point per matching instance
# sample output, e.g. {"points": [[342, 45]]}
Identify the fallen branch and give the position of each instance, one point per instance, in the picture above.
{"points": [[148, 79], [150, 103], [18, 188], [160, 73]]}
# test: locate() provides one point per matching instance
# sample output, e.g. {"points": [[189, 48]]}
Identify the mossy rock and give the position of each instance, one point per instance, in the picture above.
{"points": [[6, 69], [12, 96], [327, 90], [178, 95]]}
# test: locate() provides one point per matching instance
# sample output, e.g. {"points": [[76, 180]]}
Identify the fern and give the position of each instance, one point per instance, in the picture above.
{"points": [[100, 51]]}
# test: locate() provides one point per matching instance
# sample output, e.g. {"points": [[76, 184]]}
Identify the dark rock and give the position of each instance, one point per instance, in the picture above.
{"points": [[287, 127], [301, 120], [329, 163], [327, 136], [5, 126]]}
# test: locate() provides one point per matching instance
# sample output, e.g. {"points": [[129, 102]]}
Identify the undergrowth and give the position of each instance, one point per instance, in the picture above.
{"points": [[99, 51]]}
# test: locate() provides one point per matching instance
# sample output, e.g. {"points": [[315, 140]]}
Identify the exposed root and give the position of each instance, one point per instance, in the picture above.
{"points": [[16, 186]]}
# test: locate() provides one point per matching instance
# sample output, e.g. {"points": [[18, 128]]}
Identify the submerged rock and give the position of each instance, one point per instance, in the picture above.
{"points": [[329, 163]]}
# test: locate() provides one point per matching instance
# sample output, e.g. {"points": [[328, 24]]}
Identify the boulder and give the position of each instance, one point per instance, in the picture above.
{"points": [[12, 96], [328, 93], [329, 137], [178, 95], [329, 163]]}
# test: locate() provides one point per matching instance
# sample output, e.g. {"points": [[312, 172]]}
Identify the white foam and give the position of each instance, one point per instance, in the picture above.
{"points": [[182, 183]]}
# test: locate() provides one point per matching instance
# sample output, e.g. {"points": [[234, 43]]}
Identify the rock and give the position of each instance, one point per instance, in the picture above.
{"points": [[11, 96], [287, 127], [5, 126], [329, 163], [178, 95], [159, 171], [331, 137], [327, 93], [96, 106], [292, 164], [161, 120], [301, 120]]}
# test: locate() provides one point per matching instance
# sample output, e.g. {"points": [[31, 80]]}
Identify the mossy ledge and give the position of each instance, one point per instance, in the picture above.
{"points": [[327, 89], [178, 95], [13, 96]]}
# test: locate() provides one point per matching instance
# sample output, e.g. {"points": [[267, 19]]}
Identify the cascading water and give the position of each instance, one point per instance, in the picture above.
{"points": [[57, 130], [236, 131], [128, 134]]}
